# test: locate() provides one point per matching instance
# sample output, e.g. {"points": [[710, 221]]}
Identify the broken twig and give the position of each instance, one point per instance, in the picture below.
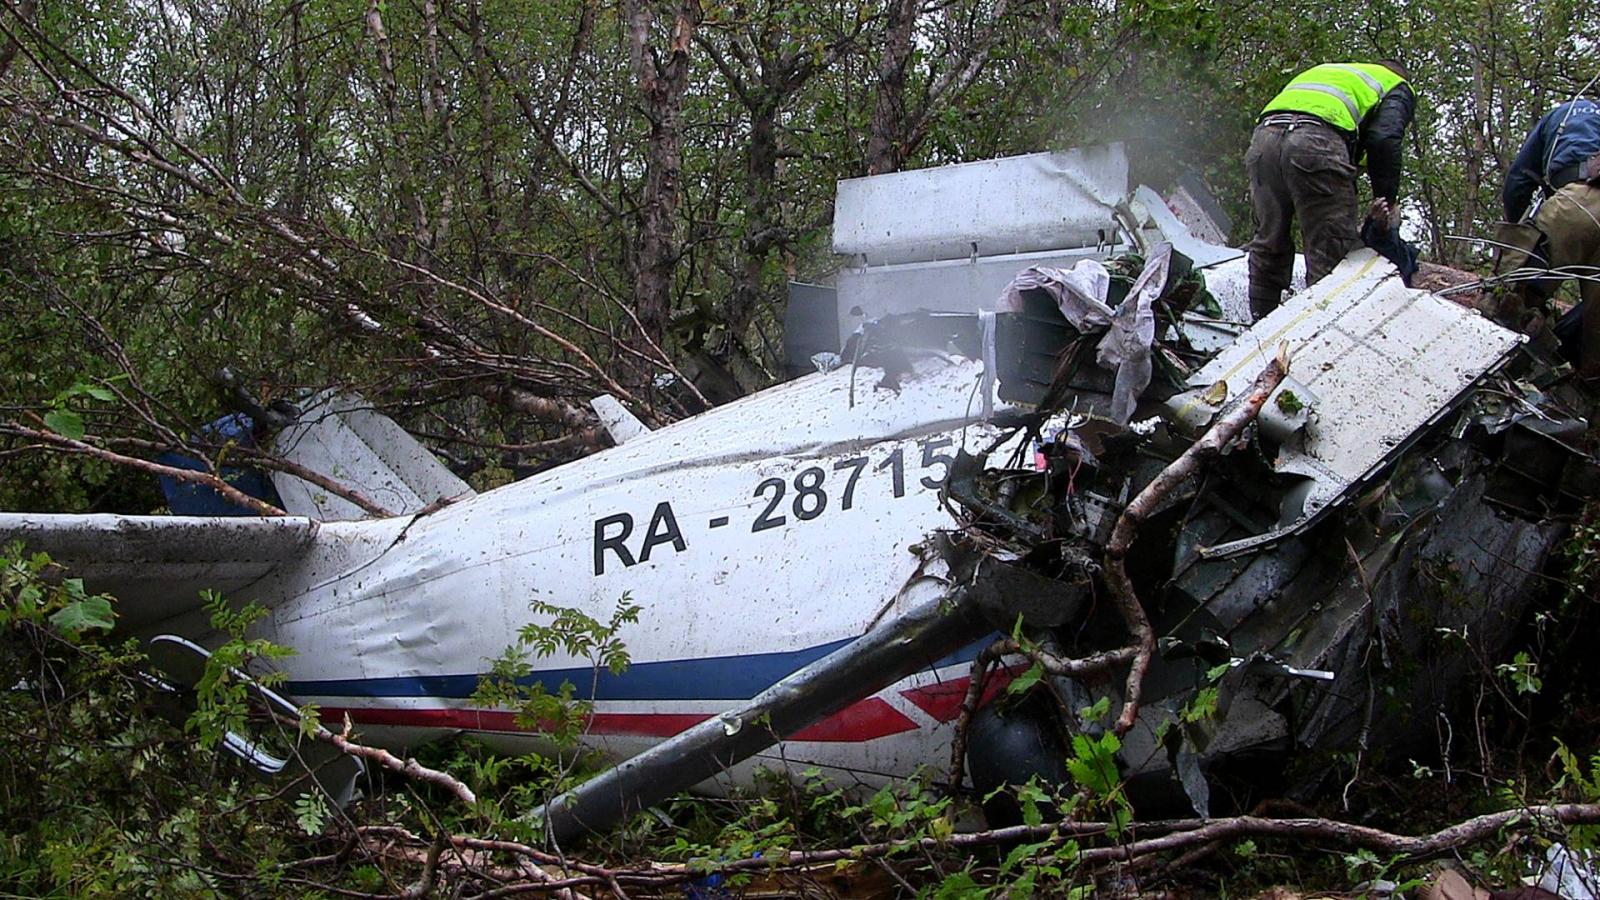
{"points": [[1222, 433], [1055, 665], [1126, 844], [407, 767]]}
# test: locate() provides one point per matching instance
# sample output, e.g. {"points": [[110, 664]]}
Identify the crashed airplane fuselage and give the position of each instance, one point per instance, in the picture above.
{"points": [[767, 534]]}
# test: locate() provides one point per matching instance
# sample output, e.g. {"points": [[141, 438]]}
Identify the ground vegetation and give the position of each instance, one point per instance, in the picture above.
{"points": [[480, 214]]}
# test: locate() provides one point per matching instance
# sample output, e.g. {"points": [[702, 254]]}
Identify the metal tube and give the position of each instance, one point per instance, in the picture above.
{"points": [[877, 659]]}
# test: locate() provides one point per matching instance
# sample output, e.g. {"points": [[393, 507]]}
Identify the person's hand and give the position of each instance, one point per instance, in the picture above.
{"points": [[1380, 214]]}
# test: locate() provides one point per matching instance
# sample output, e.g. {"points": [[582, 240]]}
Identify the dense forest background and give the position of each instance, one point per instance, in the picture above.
{"points": [[480, 213]]}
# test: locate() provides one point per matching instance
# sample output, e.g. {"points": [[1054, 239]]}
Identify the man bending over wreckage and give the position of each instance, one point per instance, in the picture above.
{"points": [[1303, 161]]}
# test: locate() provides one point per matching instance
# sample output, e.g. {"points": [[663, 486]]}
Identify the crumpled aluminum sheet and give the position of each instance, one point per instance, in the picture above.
{"points": [[991, 207]]}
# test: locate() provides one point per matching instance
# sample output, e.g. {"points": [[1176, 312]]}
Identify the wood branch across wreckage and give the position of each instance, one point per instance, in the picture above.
{"points": [[510, 868]]}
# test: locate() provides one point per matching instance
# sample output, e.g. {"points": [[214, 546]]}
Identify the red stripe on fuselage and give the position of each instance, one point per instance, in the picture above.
{"points": [[861, 721], [943, 700]]}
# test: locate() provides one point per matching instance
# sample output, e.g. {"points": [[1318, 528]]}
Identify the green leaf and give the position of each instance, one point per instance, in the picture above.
{"points": [[310, 720], [960, 885], [79, 615], [311, 813], [1202, 706], [64, 422], [1025, 682]]}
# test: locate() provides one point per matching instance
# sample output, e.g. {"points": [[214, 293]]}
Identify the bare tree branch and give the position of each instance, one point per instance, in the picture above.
{"points": [[1222, 433], [68, 445]]}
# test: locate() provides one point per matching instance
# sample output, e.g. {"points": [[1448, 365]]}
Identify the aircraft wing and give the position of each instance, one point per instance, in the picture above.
{"points": [[156, 566]]}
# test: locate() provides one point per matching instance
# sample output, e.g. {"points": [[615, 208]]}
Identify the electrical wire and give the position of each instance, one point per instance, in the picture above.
{"points": [[1502, 245], [1519, 276]]}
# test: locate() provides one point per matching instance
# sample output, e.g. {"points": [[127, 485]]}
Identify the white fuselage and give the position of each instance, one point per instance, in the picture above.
{"points": [[754, 538]]}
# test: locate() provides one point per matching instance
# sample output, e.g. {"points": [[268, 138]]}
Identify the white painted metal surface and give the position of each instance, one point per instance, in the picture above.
{"points": [[952, 285], [623, 426], [1381, 360], [1159, 219], [340, 435], [912, 242], [1018, 204], [159, 564], [1229, 282]]}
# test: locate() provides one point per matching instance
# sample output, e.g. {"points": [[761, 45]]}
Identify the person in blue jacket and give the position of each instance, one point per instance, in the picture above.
{"points": [[1553, 155], [1561, 160]]}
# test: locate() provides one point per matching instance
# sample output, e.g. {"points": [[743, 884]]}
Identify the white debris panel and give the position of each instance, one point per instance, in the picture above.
{"points": [[1373, 363], [1018, 204]]}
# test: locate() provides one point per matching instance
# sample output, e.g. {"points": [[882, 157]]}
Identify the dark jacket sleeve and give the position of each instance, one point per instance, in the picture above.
{"points": [[1526, 170], [1382, 139]]}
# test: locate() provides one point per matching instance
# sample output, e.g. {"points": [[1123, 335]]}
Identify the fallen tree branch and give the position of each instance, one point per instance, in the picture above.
{"points": [[1169, 836], [278, 464], [1405, 847], [407, 767], [255, 456], [547, 409], [976, 676], [480, 864], [68, 445], [1223, 432]]}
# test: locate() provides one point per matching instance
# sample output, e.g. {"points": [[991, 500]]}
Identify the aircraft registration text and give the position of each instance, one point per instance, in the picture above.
{"points": [[802, 497]]}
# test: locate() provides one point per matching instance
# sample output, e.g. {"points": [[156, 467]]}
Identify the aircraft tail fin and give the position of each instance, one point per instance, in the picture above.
{"points": [[342, 436]]}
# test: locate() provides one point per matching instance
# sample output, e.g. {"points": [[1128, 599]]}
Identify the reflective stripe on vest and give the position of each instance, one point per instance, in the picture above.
{"points": [[1348, 101], [1340, 94], [1375, 84]]}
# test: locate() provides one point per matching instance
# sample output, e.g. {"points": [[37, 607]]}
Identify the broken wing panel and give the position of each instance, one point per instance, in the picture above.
{"points": [[1372, 361], [156, 566]]}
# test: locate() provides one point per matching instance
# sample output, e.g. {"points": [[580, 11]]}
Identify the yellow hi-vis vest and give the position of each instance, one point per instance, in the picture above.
{"points": [[1340, 94]]}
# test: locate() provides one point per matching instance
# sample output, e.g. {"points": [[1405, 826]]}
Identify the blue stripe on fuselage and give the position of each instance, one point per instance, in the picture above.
{"points": [[709, 678]]}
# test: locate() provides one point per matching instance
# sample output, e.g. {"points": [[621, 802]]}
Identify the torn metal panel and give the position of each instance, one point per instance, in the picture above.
{"points": [[1382, 361], [1157, 217], [1307, 628], [1082, 296], [342, 437], [1459, 578], [967, 284], [1197, 208], [1018, 204]]}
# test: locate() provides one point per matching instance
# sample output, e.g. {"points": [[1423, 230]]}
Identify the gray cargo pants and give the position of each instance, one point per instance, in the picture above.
{"points": [[1298, 170]]}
